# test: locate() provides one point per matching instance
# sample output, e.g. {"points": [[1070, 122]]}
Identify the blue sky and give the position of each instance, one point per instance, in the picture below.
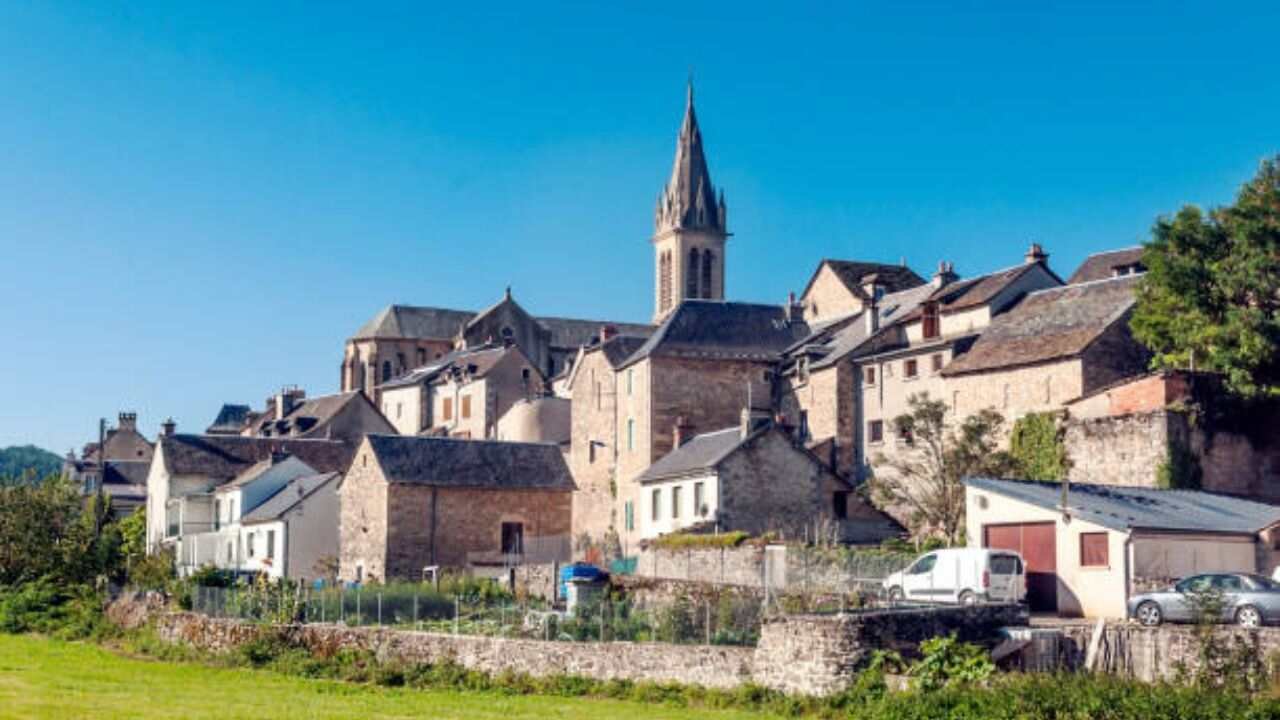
{"points": [[199, 203]]}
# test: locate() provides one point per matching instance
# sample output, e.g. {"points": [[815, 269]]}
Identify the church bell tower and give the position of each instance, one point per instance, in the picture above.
{"points": [[690, 227]]}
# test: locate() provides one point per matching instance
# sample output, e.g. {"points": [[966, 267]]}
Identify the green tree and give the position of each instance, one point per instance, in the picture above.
{"points": [[27, 463], [1038, 446], [49, 530], [926, 476], [1211, 296]]}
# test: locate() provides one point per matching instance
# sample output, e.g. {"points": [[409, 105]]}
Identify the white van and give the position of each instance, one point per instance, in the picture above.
{"points": [[961, 575]]}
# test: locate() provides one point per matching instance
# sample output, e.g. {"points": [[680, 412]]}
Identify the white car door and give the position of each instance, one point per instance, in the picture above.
{"points": [[918, 580]]}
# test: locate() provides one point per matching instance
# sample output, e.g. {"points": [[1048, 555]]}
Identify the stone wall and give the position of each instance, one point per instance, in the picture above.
{"points": [[708, 666], [743, 565], [819, 655], [593, 445], [788, 568]]}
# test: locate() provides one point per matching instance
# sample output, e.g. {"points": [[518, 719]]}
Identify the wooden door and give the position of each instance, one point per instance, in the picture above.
{"points": [[1037, 543]]}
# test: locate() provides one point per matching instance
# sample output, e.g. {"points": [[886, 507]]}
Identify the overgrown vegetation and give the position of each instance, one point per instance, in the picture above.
{"points": [[1038, 446], [1180, 470], [697, 541]]}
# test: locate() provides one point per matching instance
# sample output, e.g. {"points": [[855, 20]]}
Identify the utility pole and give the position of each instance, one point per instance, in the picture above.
{"points": [[102, 476]]}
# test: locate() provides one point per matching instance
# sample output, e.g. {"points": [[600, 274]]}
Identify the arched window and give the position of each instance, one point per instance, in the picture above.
{"points": [[708, 260], [664, 280], [386, 370], [691, 275]]}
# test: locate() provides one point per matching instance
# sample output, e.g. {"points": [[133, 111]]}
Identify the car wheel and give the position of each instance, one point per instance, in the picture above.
{"points": [[895, 594], [1149, 614], [1248, 617], [968, 599]]}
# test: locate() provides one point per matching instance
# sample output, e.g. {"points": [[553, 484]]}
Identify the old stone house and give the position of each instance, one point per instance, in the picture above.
{"points": [[187, 470], [344, 416], [408, 503], [756, 477], [1056, 345], [838, 289]]}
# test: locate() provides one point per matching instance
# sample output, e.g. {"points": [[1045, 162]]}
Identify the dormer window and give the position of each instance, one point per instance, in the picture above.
{"points": [[931, 324]]}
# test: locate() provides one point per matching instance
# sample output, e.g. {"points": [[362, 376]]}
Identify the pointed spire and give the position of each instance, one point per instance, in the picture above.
{"points": [[689, 201]]}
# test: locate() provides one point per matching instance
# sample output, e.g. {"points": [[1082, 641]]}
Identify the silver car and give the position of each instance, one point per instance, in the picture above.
{"points": [[1246, 599]]}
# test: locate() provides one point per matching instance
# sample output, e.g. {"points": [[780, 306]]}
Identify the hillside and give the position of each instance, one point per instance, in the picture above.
{"points": [[17, 460]]}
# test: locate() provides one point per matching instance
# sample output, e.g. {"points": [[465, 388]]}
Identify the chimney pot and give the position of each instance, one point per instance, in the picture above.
{"points": [[1035, 254], [168, 427]]}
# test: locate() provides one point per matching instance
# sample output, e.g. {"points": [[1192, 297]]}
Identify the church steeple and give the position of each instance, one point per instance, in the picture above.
{"points": [[689, 201], [690, 226]]}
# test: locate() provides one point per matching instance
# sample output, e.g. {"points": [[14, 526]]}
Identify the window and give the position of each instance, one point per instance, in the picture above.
{"points": [[512, 538], [656, 499], [466, 407], [840, 504], [629, 515], [698, 508], [875, 431], [217, 515], [708, 260], [631, 380], [360, 573], [1228, 583], [1006, 565], [422, 357], [251, 544], [271, 544], [936, 362], [1093, 549], [930, 324], [905, 435], [386, 370], [869, 375], [399, 407], [923, 565], [631, 434], [910, 369], [691, 275], [446, 411], [591, 451], [804, 424], [675, 502], [230, 553]]}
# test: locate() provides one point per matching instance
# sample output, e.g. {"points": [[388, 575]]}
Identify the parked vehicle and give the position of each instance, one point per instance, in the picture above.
{"points": [[960, 575], [1243, 598]]}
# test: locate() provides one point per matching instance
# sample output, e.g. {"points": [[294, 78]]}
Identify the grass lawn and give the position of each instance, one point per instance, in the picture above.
{"points": [[41, 678]]}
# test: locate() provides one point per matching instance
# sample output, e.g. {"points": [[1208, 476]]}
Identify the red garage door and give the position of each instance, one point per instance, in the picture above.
{"points": [[1037, 542]]}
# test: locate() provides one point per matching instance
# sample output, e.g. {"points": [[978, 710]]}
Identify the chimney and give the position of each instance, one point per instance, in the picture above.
{"points": [[278, 455], [168, 427], [681, 433], [608, 332], [1035, 254], [289, 398], [795, 311], [872, 288], [128, 422], [752, 420], [945, 276]]}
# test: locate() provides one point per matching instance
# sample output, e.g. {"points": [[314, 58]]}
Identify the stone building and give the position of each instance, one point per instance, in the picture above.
{"points": [[187, 470], [705, 362], [409, 503], [838, 288], [117, 465], [544, 419], [1055, 346], [756, 477], [1109, 264], [690, 227], [401, 338]]}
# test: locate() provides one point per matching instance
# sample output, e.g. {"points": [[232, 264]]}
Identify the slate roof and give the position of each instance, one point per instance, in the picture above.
{"points": [[973, 292], [1101, 266], [309, 416], [700, 452], [620, 347], [223, 457], [1125, 508], [892, 308], [1048, 325], [851, 272], [288, 497], [231, 419], [408, 321], [448, 462], [126, 472], [571, 333], [716, 329], [689, 199]]}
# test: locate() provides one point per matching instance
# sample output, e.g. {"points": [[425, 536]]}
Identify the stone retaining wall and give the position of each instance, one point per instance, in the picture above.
{"points": [[1153, 654]]}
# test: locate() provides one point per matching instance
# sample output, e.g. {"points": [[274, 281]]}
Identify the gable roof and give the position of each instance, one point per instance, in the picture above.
{"points": [[489, 464], [980, 290], [311, 415], [1103, 265], [715, 329], [700, 452], [851, 272], [1048, 325], [1141, 508], [892, 308], [222, 457], [231, 419], [288, 497]]}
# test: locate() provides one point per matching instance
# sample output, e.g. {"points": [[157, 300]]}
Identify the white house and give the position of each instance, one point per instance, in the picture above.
{"points": [[1086, 555], [293, 531]]}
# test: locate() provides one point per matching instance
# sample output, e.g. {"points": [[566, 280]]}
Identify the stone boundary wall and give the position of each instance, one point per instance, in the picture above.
{"points": [[742, 565], [808, 655], [1154, 654], [781, 567]]}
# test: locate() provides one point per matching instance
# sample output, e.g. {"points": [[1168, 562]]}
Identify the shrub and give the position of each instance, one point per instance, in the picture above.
{"points": [[947, 662], [46, 606]]}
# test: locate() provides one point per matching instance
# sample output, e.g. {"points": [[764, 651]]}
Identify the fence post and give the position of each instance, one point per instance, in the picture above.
{"points": [[455, 614], [379, 608], [359, 619], [342, 605], [415, 612], [321, 606], [602, 606]]}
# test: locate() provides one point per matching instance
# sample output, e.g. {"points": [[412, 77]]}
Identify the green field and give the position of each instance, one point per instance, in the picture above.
{"points": [[42, 678]]}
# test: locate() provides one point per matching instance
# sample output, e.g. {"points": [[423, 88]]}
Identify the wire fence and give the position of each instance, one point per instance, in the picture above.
{"points": [[606, 618]]}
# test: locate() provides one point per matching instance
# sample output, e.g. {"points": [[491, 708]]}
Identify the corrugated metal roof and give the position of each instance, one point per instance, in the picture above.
{"points": [[1126, 508]]}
